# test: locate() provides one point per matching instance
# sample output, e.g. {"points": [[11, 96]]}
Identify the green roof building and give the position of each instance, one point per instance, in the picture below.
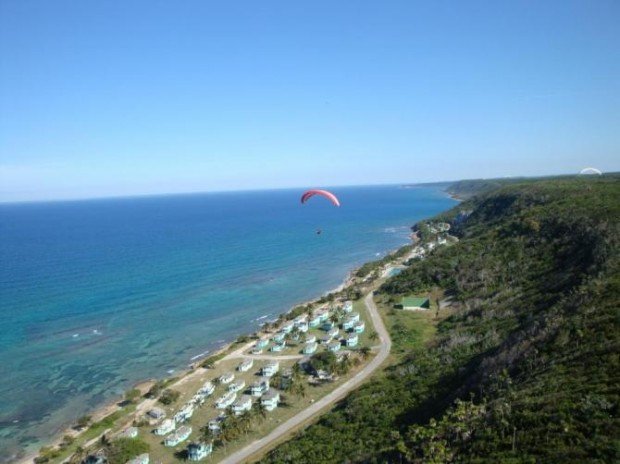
{"points": [[413, 303]]}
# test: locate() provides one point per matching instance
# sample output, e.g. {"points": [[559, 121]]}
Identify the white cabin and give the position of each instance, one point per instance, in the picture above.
{"points": [[199, 451], [140, 459], [226, 400], [242, 405], [227, 378], [270, 400], [167, 426], [179, 436], [207, 389], [245, 365], [270, 368], [236, 386], [259, 387], [184, 414]]}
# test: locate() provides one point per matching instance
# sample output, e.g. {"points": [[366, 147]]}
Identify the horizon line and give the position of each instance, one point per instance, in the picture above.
{"points": [[267, 189]]}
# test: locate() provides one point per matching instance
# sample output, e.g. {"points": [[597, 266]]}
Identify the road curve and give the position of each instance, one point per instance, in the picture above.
{"points": [[338, 393]]}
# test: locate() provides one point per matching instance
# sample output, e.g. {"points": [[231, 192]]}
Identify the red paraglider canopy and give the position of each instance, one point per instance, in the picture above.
{"points": [[330, 196]]}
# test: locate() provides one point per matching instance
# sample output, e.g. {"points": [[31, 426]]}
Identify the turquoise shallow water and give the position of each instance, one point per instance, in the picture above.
{"points": [[97, 295]]}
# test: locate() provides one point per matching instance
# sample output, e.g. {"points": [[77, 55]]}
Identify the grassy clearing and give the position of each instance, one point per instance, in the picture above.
{"points": [[408, 329]]}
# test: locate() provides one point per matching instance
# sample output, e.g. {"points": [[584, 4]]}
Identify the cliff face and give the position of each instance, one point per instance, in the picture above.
{"points": [[526, 366]]}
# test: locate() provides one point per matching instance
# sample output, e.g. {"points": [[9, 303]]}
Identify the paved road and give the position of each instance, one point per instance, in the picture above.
{"points": [[334, 396]]}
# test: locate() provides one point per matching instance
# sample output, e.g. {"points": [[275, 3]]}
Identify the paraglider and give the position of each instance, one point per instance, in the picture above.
{"points": [[324, 193]]}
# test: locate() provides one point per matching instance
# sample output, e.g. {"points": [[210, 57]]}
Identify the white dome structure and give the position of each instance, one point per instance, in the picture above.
{"points": [[590, 172]]}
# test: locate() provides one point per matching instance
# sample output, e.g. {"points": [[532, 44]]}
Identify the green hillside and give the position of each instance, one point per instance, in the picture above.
{"points": [[523, 366]]}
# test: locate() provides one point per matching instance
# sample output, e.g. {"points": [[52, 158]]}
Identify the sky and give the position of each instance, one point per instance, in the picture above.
{"points": [[148, 97]]}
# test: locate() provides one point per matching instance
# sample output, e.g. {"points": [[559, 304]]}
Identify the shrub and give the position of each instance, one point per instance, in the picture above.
{"points": [[155, 390], [132, 395], [325, 361], [83, 422], [67, 440], [169, 396]]}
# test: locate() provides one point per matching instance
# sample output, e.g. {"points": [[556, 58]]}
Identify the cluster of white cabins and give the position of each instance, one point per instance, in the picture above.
{"points": [[351, 325], [175, 433], [260, 390], [442, 237], [240, 397]]}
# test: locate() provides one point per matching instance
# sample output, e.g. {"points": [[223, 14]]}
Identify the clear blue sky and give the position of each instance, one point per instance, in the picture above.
{"points": [[138, 97]]}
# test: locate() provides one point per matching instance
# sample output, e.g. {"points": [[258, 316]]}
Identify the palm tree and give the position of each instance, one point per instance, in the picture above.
{"points": [[299, 389], [344, 366], [244, 421], [296, 369], [334, 318], [373, 335], [220, 442], [260, 410], [231, 428], [365, 352], [276, 379], [78, 456]]}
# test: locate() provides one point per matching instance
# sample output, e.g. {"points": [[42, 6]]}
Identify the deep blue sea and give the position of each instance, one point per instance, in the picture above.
{"points": [[97, 295]]}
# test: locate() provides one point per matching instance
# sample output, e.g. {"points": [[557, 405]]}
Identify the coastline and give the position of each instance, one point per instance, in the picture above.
{"points": [[185, 368], [454, 196], [183, 373]]}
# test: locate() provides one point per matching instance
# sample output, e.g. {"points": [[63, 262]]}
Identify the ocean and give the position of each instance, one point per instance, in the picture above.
{"points": [[97, 295]]}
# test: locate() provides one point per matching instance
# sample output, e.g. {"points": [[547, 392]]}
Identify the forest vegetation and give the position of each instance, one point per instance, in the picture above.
{"points": [[523, 366]]}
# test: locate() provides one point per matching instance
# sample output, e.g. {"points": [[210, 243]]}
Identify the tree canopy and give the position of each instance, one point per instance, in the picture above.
{"points": [[525, 368]]}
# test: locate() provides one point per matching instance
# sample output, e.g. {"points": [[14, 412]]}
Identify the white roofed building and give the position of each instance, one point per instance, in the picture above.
{"points": [[227, 378], [259, 387], [179, 436], [167, 426], [270, 368], [270, 399], [242, 405], [198, 451], [245, 365]]}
